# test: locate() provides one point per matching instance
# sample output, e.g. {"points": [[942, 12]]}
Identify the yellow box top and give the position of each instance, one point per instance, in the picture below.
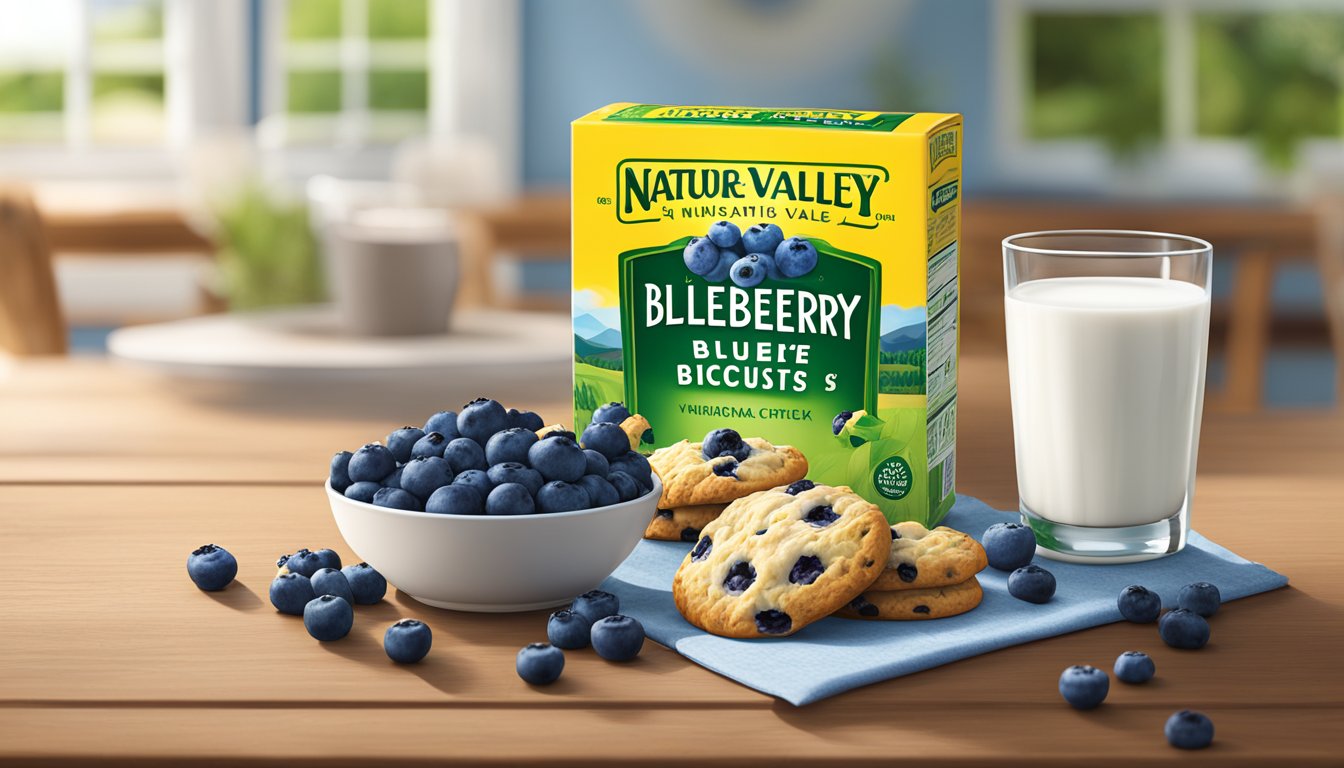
{"points": [[842, 119]]}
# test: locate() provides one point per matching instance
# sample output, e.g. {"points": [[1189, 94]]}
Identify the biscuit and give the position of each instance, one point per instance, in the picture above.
{"points": [[690, 479], [635, 428], [777, 560], [682, 523], [915, 604], [921, 559]]}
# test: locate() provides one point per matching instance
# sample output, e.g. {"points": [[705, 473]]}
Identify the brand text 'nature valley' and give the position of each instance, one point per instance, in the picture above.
{"points": [[645, 185]]}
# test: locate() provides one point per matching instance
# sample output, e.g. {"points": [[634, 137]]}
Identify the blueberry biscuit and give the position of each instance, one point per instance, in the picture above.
{"points": [[921, 559], [637, 428], [682, 523], [722, 468], [914, 604], [780, 559]]}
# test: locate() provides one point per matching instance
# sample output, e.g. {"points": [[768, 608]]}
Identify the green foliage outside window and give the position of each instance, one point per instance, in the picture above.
{"points": [[399, 89], [391, 19], [32, 91], [318, 91], [314, 19]]}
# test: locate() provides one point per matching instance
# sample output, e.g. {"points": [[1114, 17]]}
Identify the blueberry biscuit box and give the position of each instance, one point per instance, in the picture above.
{"points": [[791, 274]]}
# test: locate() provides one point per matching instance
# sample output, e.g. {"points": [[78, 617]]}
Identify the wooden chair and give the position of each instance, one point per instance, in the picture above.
{"points": [[31, 322]]}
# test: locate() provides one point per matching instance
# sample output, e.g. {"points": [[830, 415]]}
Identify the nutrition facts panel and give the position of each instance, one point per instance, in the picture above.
{"points": [[942, 335]]}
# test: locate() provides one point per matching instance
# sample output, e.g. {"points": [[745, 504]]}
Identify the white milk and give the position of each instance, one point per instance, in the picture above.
{"points": [[1107, 389]]}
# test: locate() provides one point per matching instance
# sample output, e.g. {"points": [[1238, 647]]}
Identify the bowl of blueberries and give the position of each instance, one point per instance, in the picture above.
{"points": [[487, 509]]}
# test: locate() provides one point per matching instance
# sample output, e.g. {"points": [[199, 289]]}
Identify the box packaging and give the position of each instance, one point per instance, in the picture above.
{"points": [[846, 350]]}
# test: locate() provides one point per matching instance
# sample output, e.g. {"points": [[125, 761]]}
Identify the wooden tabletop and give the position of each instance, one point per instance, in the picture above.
{"points": [[108, 654]]}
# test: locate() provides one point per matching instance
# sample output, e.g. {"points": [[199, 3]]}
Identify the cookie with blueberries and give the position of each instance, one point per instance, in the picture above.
{"points": [[924, 559], [780, 559], [915, 604], [682, 523], [722, 468]]}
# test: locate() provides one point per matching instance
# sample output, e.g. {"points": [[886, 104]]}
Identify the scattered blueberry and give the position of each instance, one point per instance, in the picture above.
{"points": [[340, 476], [211, 567], [596, 604], [597, 463], [402, 441], [1139, 604], [431, 444], [425, 475], [371, 464], [1201, 597], [367, 585], [445, 423], [607, 439], [617, 637], [480, 419], [601, 493], [540, 663], [799, 486], [1084, 687], [525, 419], [795, 257], [1183, 628], [329, 581], [725, 442], [475, 478], [328, 617], [558, 458], [701, 255], [720, 272], [510, 499], [1032, 583], [290, 592], [1009, 546], [560, 496], [725, 234], [748, 271], [1189, 730], [568, 630], [328, 558], [612, 412], [1134, 667], [463, 454], [627, 487], [513, 472], [362, 491], [407, 641], [304, 563], [396, 498], [762, 238], [456, 500], [510, 445]]}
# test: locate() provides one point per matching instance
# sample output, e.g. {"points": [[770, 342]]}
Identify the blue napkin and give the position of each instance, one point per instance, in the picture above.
{"points": [[834, 655]]}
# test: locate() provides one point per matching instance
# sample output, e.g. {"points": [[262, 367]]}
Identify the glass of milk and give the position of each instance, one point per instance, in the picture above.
{"points": [[1107, 340]]}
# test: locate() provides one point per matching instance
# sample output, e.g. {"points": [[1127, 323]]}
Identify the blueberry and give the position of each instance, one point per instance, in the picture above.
{"points": [[367, 585], [720, 271], [558, 458], [445, 423], [1009, 546], [480, 419], [762, 238], [596, 604], [560, 496], [362, 491], [1183, 628], [510, 499], [841, 419], [540, 663], [513, 472], [1134, 667], [637, 466], [328, 617], [568, 630], [597, 463], [820, 516], [558, 431], [371, 464], [463, 454], [425, 475], [1084, 687], [798, 487], [329, 581], [724, 442], [795, 257], [407, 641], [304, 563], [740, 576], [1189, 730], [601, 493], [340, 475], [617, 637], [726, 468], [701, 549], [290, 592], [748, 271], [1032, 583], [607, 439], [328, 558], [612, 412], [1201, 597], [475, 478], [627, 487], [396, 498], [724, 234], [456, 500], [773, 622], [432, 444], [807, 570], [767, 260], [525, 420], [393, 480], [1139, 604], [510, 445], [211, 567], [700, 255], [402, 441]]}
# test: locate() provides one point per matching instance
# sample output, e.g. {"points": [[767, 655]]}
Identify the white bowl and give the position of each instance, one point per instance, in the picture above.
{"points": [[494, 564]]}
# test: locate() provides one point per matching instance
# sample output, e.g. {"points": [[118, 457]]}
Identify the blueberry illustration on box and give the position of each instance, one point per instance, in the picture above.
{"points": [[791, 275]]}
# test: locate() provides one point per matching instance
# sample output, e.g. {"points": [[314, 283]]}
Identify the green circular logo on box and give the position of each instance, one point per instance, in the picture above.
{"points": [[893, 478]]}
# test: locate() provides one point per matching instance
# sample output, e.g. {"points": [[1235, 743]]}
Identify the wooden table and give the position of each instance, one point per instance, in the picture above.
{"points": [[108, 654]]}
